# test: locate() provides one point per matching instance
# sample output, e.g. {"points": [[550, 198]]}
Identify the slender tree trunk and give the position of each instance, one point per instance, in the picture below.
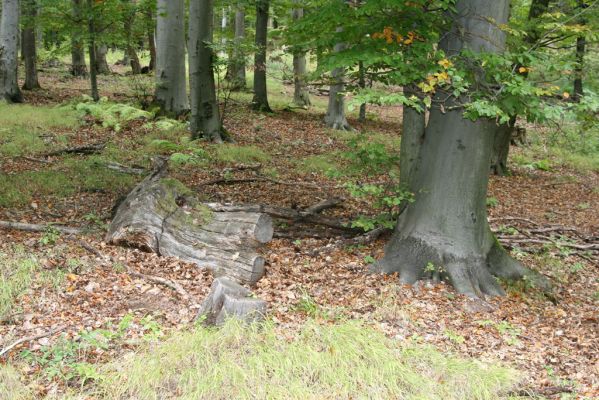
{"points": [[130, 49], [152, 48], [93, 62], [29, 45], [171, 88], [578, 70], [445, 233], [236, 65], [9, 46], [205, 116], [102, 67], [301, 97], [260, 100], [362, 84], [335, 117], [78, 67]]}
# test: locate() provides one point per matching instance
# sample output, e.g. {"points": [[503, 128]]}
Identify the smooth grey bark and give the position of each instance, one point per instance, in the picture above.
{"points": [[171, 82], [446, 227], [335, 117], [9, 46], [78, 67], [205, 115], [93, 62], [29, 45], [260, 100], [301, 97], [101, 64], [236, 66]]}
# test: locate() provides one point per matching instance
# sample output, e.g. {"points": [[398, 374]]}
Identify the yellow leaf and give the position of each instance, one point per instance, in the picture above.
{"points": [[522, 70], [566, 95], [72, 277]]}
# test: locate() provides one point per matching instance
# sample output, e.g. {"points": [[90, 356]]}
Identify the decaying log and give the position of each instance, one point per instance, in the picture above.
{"points": [[162, 216], [20, 226], [228, 299]]}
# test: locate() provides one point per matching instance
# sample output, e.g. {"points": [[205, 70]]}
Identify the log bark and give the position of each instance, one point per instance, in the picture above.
{"points": [[161, 216], [228, 299]]}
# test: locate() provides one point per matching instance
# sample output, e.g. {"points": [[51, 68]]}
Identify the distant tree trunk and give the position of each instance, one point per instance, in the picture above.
{"points": [[236, 65], [445, 234], [152, 48], [335, 117], [93, 62], [29, 45], [78, 67], [301, 97], [102, 67], [171, 88], [205, 116], [260, 100], [578, 70], [362, 84], [9, 47], [130, 49]]}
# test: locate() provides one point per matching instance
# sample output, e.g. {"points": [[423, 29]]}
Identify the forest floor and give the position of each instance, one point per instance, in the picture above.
{"points": [[52, 283]]}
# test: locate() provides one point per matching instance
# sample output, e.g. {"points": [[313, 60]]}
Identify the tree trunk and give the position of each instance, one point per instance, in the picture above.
{"points": [[301, 97], [445, 233], [9, 46], [228, 299], [412, 136], [335, 117], [102, 67], [171, 83], [362, 84], [260, 100], [29, 45], [93, 62], [161, 216], [205, 115], [78, 67], [130, 49], [236, 66], [578, 70], [152, 48]]}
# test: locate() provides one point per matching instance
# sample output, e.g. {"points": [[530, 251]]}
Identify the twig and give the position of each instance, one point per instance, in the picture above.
{"points": [[163, 281], [30, 338], [38, 160], [40, 227]]}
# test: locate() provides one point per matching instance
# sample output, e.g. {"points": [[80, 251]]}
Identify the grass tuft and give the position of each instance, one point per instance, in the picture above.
{"points": [[341, 361], [231, 153]]}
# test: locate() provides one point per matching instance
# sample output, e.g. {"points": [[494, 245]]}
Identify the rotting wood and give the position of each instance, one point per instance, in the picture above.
{"points": [[228, 299], [161, 215]]}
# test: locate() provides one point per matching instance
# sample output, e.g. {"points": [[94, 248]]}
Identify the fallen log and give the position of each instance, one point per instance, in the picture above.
{"points": [[162, 216], [87, 149], [20, 226], [228, 299]]}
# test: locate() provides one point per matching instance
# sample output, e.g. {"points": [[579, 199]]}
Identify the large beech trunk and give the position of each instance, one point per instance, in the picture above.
{"points": [[205, 114], [102, 67], [78, 67], [161, 216], [260, 100], [171, 87], [445, 233], [9, 44]]}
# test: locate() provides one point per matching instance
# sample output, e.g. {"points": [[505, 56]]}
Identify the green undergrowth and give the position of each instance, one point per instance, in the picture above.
{"points": [[340, 361]]}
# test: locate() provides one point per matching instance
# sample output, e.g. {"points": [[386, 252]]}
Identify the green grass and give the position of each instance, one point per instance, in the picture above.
{"points": [[21, 127], [16, 274], [231, 153], [341, 361]]}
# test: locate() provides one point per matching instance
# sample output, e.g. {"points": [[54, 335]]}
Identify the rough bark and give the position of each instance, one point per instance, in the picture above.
{"points": [[9, 45], [102, 67], [301, 97], [93, 62], [29, 45], [335, 117], [78, 67], [445, 232], [228, 299], [171, 84], [260, 100], [161, 216], [205, 114], [236, 66]]}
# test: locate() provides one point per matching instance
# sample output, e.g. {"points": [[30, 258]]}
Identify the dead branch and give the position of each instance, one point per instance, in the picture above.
{"points": [[87, 149], [163, 281], [592, 246], [40, 227], [37, 160], [124, 169], [31, 338]]}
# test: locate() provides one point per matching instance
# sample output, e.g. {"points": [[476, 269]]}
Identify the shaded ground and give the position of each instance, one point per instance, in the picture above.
{"points": [[553, 344]]}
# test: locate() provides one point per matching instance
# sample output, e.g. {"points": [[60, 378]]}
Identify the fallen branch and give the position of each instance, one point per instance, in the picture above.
{"points": [[124, 169], [546, 391], [88, 149], [592, 246], [31, 338], [37, 160], [40, 227]]}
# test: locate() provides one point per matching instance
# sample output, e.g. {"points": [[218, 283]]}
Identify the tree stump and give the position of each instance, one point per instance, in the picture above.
{"points": [[228, 299], [161, 215]]}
